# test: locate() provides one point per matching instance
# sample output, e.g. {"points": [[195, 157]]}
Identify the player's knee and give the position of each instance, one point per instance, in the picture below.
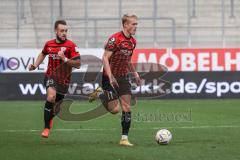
{"points": [[51, 98], [115, 110]]}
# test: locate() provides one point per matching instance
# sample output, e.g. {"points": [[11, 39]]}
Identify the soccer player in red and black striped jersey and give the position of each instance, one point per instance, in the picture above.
{"points": [[116, 88], [62, 57]]}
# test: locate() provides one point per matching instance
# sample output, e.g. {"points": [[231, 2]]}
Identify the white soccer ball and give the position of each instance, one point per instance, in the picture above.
{"points": [[163, 136]]}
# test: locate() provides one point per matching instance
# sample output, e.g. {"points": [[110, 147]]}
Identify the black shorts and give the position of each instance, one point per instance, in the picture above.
{"points": [[60, 88], [114, 93]]}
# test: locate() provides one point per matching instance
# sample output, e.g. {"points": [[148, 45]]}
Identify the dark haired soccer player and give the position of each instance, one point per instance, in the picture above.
{"points": [[63, 56], [116, 88]]}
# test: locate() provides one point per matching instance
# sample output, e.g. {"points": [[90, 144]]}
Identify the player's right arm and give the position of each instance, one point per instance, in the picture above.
{"points": [[39, 60], [106, 66]]}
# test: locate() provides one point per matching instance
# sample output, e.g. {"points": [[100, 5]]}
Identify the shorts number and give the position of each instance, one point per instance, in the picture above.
{"points": [[110, 95]]}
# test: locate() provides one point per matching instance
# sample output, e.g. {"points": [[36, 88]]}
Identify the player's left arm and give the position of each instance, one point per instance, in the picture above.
{"points": [[135, 73], [74, 61], [133, 70]]}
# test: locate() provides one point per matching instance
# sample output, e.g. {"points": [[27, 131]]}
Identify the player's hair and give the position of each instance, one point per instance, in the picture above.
{"points": [[63, 22], [126, 17]]}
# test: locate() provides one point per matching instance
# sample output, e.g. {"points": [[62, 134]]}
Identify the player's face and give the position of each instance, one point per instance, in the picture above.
{"points": [[61, 32], [131, 26]]}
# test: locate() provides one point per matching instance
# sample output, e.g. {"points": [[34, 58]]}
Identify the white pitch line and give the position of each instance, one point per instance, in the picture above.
{"points": [[112, 129]]}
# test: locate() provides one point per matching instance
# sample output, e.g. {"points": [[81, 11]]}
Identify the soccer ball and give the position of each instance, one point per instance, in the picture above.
{"points": [[163, 136]]}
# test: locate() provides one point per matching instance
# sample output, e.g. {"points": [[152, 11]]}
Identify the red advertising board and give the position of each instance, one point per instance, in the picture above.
{"points": [[191, 59]]}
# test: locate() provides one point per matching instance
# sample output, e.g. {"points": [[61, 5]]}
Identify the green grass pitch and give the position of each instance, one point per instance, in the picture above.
{"points": [[202, 129]]}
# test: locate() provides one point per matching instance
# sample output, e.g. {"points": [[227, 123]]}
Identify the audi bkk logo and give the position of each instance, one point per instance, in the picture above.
{"points": [[181, 86]]}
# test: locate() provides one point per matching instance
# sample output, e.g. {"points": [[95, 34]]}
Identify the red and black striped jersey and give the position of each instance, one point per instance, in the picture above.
{"points": [[57, 69], [122, 48]]}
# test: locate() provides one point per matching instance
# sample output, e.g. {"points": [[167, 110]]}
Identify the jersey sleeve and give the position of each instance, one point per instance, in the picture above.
{"points": [[111, 44], [74, 52], [44, 50]]}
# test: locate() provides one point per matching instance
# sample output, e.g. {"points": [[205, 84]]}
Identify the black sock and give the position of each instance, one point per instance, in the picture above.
{"points": [[48, 109], [126, 122]]}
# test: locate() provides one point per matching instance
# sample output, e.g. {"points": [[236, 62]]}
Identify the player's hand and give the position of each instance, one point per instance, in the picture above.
{"points": [[137, 79], [61, 55], [113, 82], [31, 67]]}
